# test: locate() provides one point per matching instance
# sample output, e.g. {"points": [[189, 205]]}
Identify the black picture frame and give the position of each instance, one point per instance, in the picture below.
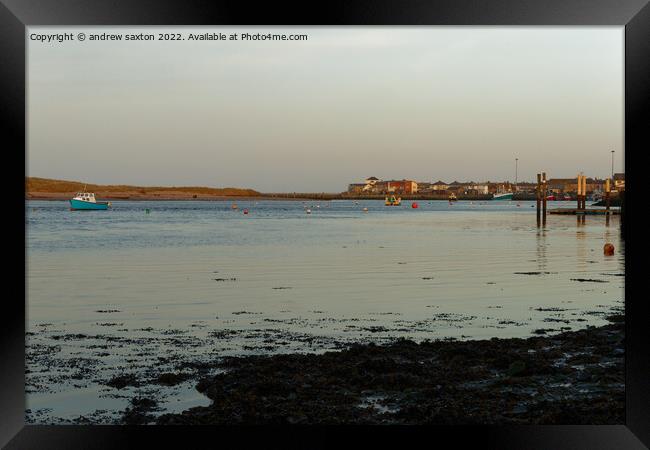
{"points": [[634, 15]]}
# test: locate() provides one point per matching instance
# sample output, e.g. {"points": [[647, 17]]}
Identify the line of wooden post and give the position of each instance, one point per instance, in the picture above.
{"points": [[581, 182]]}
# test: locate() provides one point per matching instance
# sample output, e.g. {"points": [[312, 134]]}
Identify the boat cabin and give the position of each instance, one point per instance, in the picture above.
{"points": [[85, 197]]}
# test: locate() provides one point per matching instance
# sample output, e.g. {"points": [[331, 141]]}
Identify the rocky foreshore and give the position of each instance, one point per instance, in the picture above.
{"points": [[575, 377]]}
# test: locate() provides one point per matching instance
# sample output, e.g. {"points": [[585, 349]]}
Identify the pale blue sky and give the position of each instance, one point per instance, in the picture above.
{"points": [[425, 103]]}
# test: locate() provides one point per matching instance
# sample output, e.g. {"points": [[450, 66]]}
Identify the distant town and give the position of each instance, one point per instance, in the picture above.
{"points": [[371, 188], [376, 186]]}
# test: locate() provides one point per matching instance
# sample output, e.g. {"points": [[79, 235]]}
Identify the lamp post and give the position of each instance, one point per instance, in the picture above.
{"points": [[516, 164], [612, 164]]}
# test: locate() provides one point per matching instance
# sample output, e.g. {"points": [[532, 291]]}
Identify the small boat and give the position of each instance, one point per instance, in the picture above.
{"points": [[393, 201], [566, 197], [551, 198], [503, 196], [86, 201]]}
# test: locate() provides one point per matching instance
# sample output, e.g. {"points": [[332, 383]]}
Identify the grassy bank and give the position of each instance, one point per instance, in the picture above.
{"points": [[43, 188]]}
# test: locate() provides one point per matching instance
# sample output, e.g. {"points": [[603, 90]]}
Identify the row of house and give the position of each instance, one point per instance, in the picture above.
{"points": [[373, 185], [594, 185]]}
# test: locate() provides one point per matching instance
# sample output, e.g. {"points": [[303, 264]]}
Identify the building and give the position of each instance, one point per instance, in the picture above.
{"points": [[476, 188], [526, 187], [439, 186], [570, 185], [371, 181], [562, 185], [401, 187], [500, 187], [619, 181], [380, 187], [371, 185], [356, 188], [456, 188]]}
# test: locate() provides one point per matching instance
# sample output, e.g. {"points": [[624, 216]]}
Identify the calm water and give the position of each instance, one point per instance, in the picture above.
{"points": [[125, 291]]}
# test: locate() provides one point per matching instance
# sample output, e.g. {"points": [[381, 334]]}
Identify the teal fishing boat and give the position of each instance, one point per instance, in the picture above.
{"points": [[86, 201], [503, 196]]}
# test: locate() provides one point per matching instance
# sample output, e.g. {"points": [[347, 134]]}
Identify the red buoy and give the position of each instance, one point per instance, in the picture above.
{"points": [[245, 211], [608, 249], [414, 205]]}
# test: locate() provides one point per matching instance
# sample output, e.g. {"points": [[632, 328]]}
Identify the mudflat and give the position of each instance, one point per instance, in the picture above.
{"points": [[574, 377]]}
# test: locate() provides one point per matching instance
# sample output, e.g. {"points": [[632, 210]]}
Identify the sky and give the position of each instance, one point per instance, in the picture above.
{"points": [[422, 103]]}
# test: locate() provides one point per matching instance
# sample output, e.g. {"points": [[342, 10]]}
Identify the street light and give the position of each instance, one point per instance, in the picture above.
{"points": [[516, 164], [612, 164]]}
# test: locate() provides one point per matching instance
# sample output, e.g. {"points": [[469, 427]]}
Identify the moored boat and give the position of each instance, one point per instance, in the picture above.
{"points": [[83, 201], [503, 196], [393, 201]]}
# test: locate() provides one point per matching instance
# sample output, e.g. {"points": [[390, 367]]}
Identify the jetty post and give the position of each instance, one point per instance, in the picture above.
{"points": [[584, 195], [582, 187], [544, 195], [580, 213], [538, 193], [579, 185]]}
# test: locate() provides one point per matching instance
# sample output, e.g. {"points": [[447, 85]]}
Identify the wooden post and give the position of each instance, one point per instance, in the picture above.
{"points": [[579, 185], [579, 191], [579, 214], [538, 193], [583, 196], [544, 195]]}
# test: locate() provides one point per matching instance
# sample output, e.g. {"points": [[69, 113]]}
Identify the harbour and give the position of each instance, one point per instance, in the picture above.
{"points": [[194, 282]]}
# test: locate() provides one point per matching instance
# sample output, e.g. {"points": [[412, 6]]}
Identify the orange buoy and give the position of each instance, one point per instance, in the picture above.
{"points": [[414, 205], [608, 249]]}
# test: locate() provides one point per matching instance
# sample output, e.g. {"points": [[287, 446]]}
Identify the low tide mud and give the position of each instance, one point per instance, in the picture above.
{"points": [[562, 374], [573, 377]]}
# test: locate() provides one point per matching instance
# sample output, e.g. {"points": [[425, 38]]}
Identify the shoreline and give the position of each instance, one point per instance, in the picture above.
{"points": [[574, 377], [221, 198], [271, 197]]}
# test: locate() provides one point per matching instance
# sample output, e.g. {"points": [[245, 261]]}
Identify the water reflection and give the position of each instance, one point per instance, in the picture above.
{"points": [[541, 250]]}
